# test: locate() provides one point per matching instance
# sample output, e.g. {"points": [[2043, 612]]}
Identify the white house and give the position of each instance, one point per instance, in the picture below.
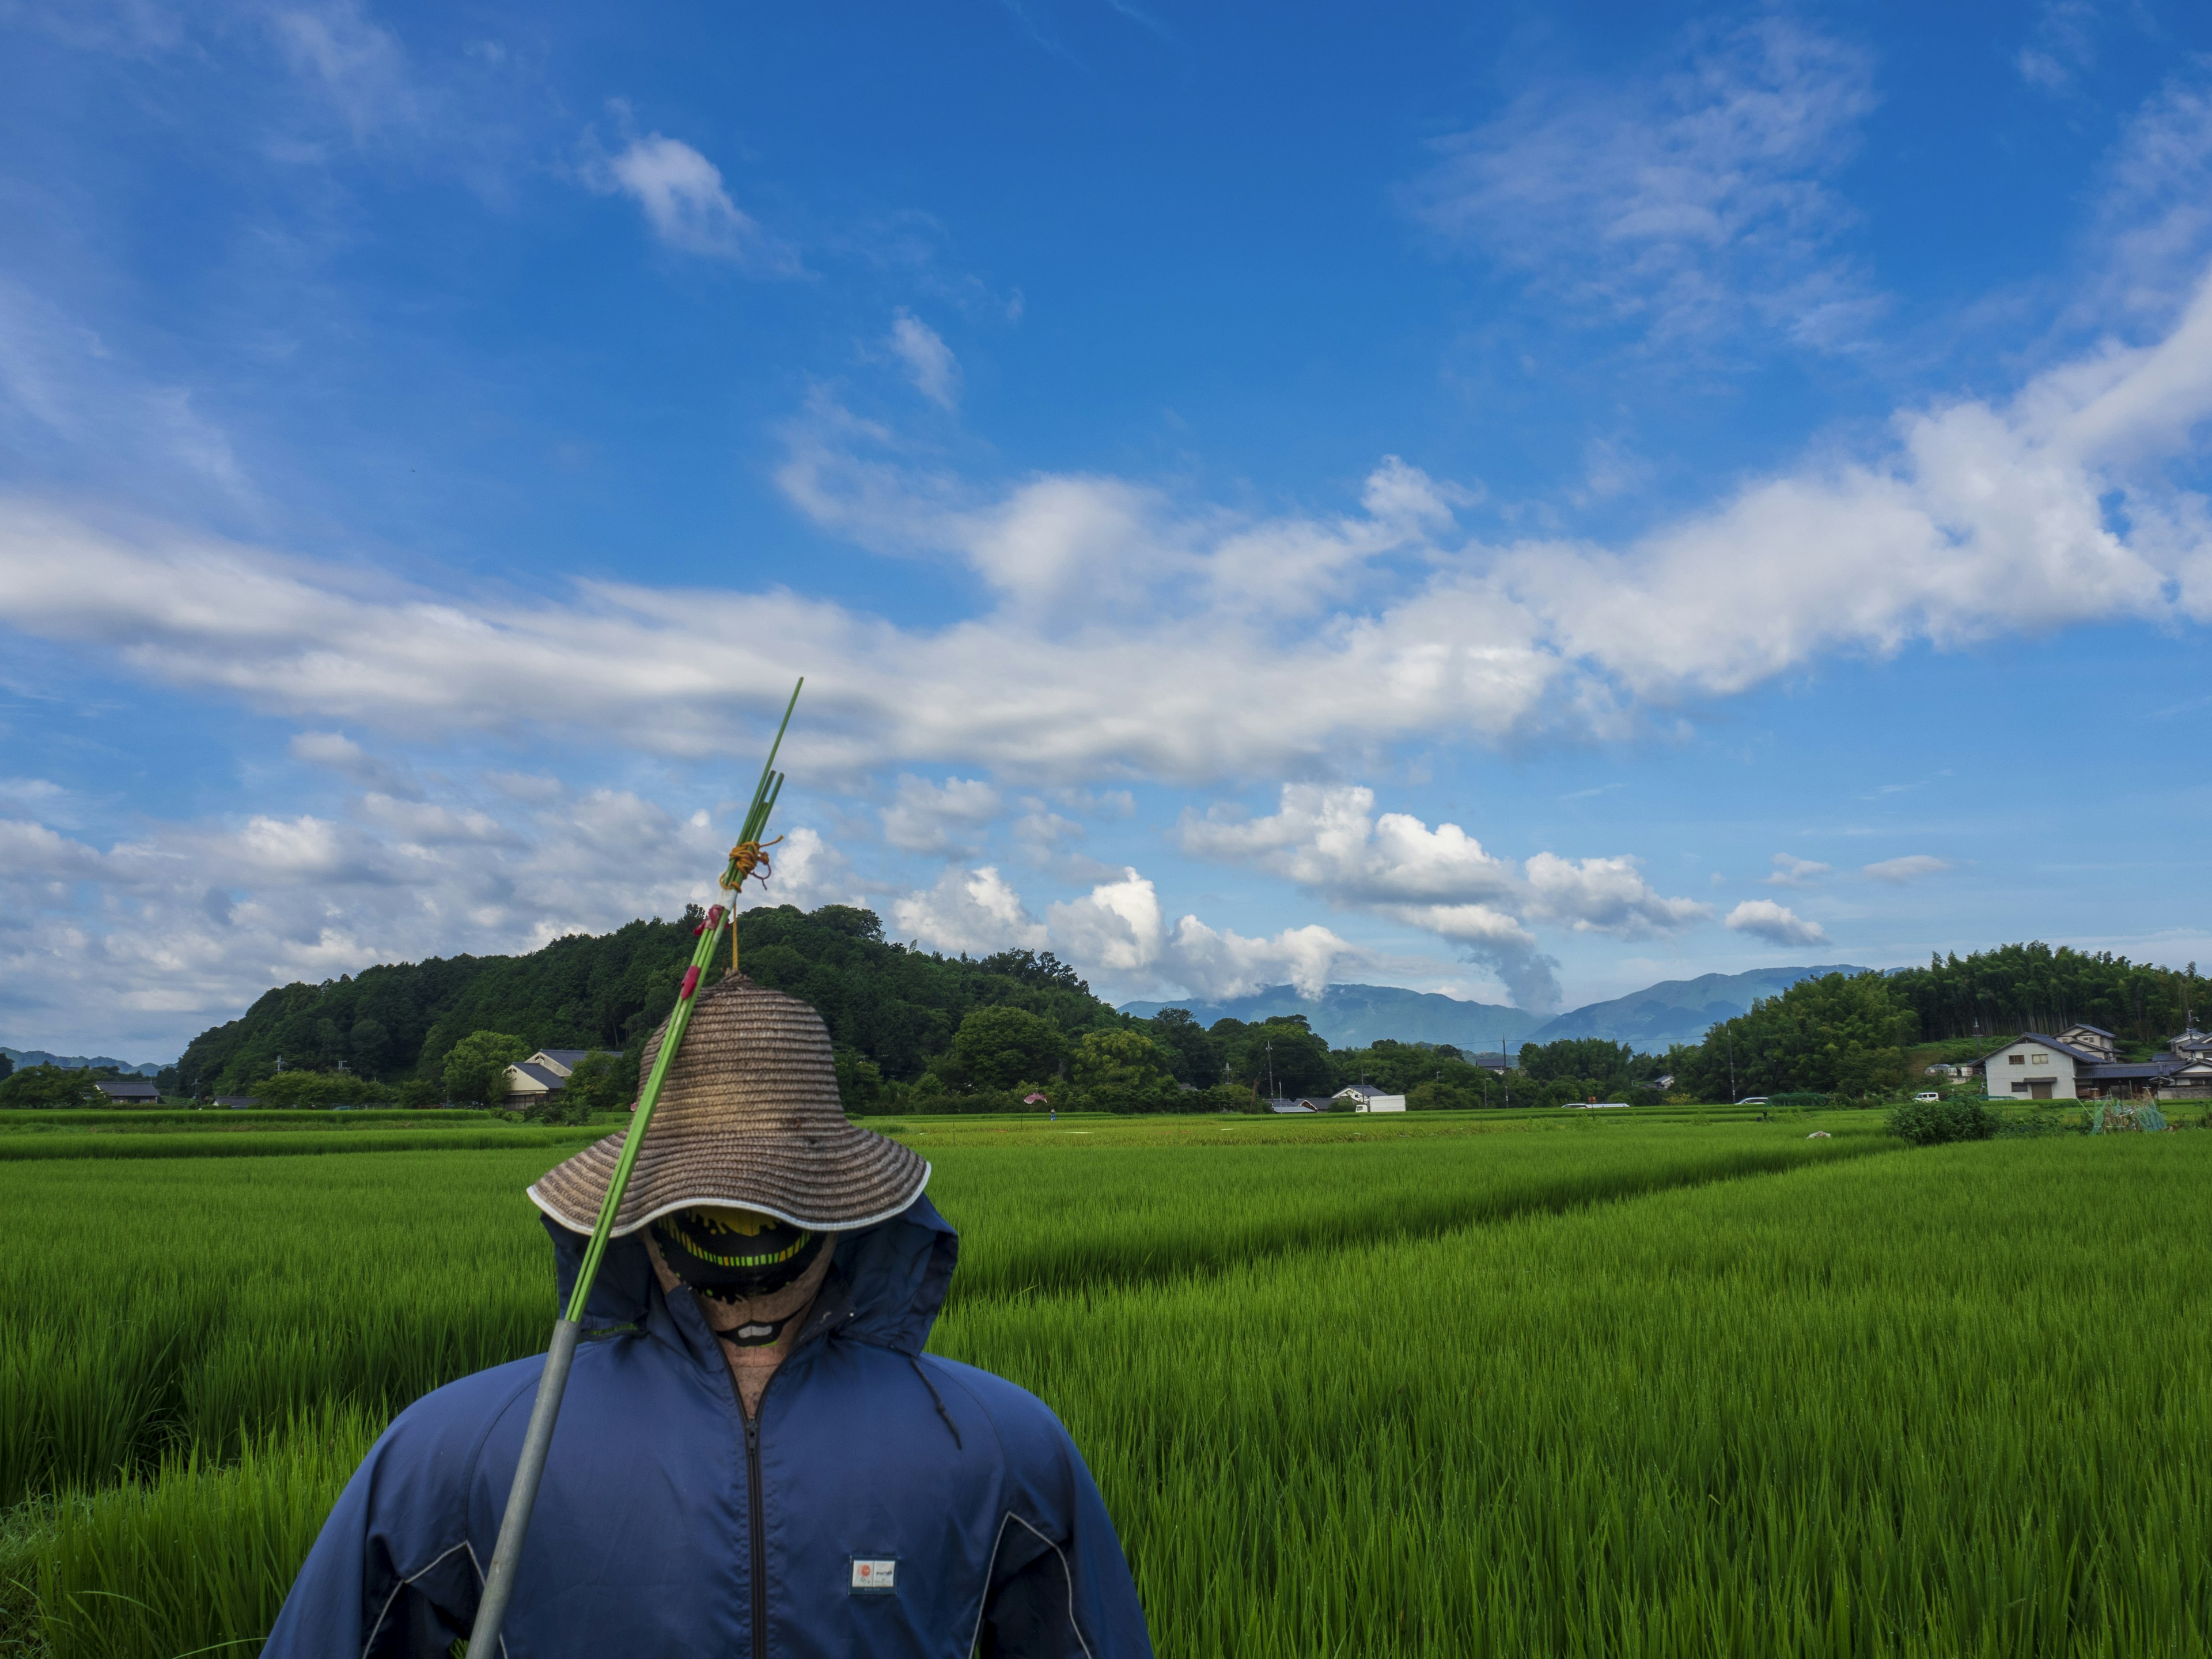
{"points": [[1364, 1099], [2082, 1063], [546, 1073]]}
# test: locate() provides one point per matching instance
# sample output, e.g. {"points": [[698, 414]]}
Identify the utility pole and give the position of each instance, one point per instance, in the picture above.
{"points": [[1731, 1052], [1271, 1095]]}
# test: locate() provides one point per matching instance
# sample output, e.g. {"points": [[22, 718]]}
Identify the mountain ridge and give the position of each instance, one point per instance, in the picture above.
{"points": [[1652, 1019], [27, 1058]]}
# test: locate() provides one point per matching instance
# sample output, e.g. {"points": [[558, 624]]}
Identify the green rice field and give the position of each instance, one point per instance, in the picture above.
{"points": [[1653, 1384]]}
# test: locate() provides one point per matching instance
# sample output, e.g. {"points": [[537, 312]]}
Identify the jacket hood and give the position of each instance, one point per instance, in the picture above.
{"points": [[892, 1278]]}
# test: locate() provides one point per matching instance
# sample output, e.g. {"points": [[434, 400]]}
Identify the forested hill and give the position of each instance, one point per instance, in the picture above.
{"points": [[883, 1002]]}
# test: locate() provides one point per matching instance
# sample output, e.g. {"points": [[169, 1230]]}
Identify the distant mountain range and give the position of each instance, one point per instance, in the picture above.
{"points": [[1353, 1016], [1651, 1020], [29, 1057], [1678, 1009]]}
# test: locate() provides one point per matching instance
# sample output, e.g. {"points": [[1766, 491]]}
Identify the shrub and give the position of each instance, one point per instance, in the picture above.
{"points": [[1932, 1122]]}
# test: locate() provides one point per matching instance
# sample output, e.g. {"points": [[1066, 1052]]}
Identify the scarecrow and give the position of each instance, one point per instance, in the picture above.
{"points": [[754, 1455]]}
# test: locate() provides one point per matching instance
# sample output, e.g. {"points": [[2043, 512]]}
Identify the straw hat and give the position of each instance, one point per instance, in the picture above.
{"points": [[748, 1118]]}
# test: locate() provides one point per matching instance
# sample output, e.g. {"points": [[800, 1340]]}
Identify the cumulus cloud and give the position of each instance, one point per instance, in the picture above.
{"points": [[1897, 871], [975, 911], [1777, 923], [685, 201], [1328, 840], [1118, 936], [1686, 199], [1791, 872], [1118, 929], [933, 817], [266, 898], [929, 361]]}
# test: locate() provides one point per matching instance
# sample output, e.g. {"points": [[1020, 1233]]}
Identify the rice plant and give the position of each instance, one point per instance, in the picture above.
{"points": [[1419, 1395]]}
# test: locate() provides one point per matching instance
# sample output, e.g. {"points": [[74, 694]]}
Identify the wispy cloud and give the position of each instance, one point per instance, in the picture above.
{"points": [[685, 200], [2061, 44], [928, 361], [1789, 871], [1684, 199], [1911, 867]]}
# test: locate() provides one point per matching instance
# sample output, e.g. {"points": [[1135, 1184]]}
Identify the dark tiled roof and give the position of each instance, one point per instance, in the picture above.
{"points": [[568, 1057], [539, 1075], [2099, 1030], [128, 1088], [2107, 1071], [2082, 1054]]}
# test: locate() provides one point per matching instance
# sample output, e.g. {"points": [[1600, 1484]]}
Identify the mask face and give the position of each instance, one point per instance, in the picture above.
{"points": [[734, 1256]]}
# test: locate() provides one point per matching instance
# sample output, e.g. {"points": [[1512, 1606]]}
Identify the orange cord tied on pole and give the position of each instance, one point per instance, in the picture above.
{"points": [[747, 858], [750, 856]]}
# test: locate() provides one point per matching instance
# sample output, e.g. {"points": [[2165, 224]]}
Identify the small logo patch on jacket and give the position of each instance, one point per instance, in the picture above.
{"points": [[875, 1575]]}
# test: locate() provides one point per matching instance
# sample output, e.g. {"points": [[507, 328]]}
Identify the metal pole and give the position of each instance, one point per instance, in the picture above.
{"points": [[553, 1381]]}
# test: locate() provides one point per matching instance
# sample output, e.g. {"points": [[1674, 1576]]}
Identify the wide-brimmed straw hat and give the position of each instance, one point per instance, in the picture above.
{"points": [[748, 1118]]}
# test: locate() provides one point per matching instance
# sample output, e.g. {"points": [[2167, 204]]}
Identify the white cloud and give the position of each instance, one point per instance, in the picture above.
{"points": [[68, 397], [1776, 922], [1606, 896], [1897, 871], [242, 905], [1791, 872], [685, 201], [342, 754], [1117, 932], [929, 361], [1686, 198], [2154, 217], [1116, 926], [974, 911], [2059, 46], [929, 817], [1328, 841], [357, 64], [1126, 634]]}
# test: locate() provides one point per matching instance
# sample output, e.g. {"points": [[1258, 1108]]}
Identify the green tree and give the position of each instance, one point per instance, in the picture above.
{"points": [[859, 1081], [475, 1067], [1195, 1056], [599, 1083], [1299, 1060], [1840, 1033], [7, 1068], [997, 1047], [49, 1086], [1122, 1071]]}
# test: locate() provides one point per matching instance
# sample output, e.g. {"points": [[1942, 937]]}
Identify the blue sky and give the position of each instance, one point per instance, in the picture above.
{"points": [[1522, 504]]}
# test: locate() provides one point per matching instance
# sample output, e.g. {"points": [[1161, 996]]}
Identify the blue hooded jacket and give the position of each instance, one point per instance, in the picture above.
{"points": [[884, 1502]]}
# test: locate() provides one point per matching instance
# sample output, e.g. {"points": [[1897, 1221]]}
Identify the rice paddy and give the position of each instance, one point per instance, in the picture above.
{"points": [[1557, 1385]]}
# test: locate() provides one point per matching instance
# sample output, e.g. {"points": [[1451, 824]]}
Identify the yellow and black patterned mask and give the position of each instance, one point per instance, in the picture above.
{"points": [[734, 1256]]}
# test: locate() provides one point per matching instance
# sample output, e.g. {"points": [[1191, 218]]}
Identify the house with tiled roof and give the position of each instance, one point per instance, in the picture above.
{"points": [[546, 1073], [2082, 1063]]}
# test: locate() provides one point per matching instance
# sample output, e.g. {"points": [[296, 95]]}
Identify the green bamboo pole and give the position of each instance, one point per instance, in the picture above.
{"points": [[553, 1382]]}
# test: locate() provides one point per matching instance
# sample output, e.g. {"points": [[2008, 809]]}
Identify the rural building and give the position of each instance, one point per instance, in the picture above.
{"points": [[546, 1073], [130, 1091], [2082, 1063], [1364, 1099], [1302, 1103]]}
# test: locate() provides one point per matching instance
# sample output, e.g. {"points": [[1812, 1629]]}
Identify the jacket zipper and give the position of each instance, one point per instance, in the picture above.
{"points": [[758, 1528]]}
